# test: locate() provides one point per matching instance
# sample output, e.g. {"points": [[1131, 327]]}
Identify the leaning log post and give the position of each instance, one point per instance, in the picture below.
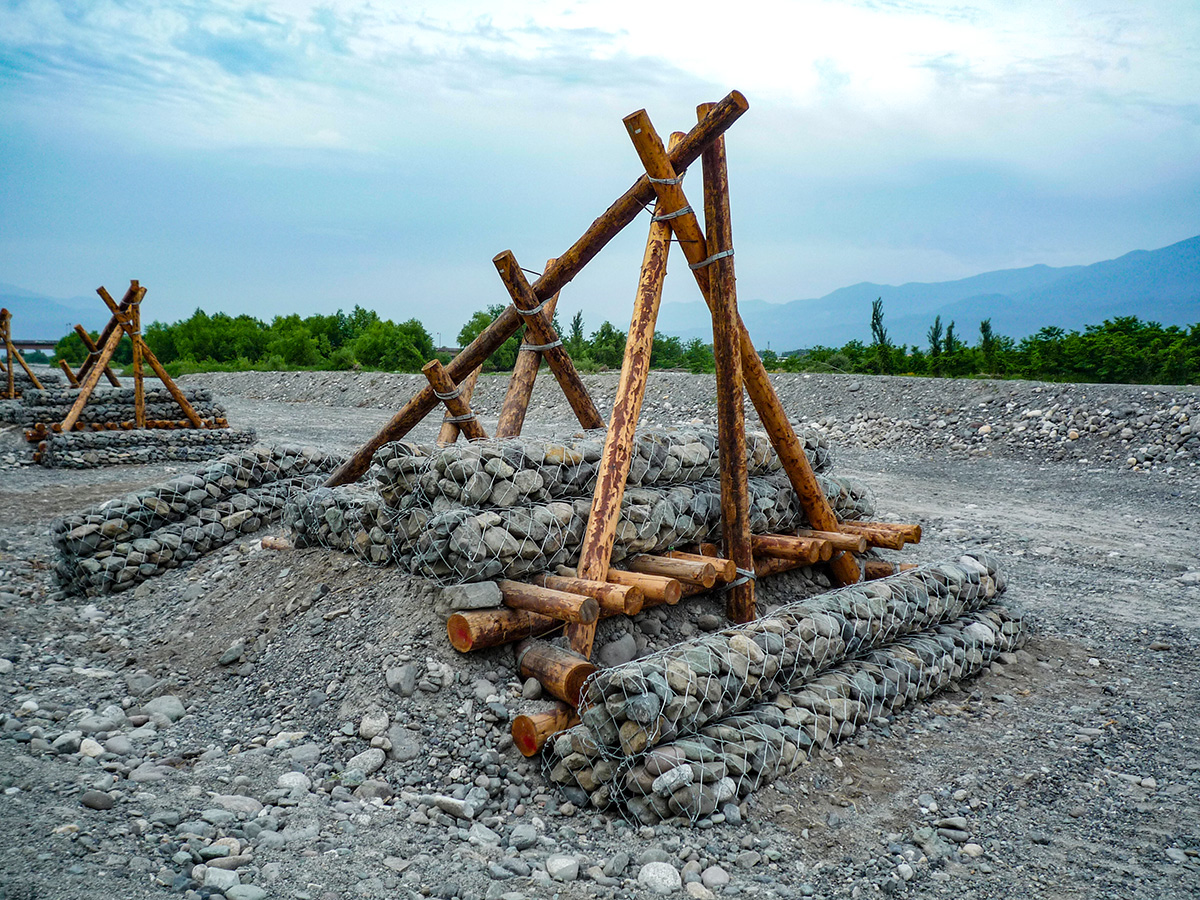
{"points": [[530, 731], [561, 672], [520, 384], [66, 368], [444, 390], [671, 200], [547, 341], [601, 531], [13, 354], [449, 431], [93, 352], [567, 265], [731, 416], [88, 384], [113, 323]]}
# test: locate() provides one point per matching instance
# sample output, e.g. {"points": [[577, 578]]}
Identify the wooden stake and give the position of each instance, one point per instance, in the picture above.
{"points": [[478, 629], [601, 531], [88, 383], [520, 384], [530, 731], [623, 211], [549, 602], [731, 418], [14, 356], [62, 364], [561, 672], [656, 589], [614, 599], [93, 352], [540, 330], [876, 537], [910, 533], [758, 385], [449, 431], [444, 388], [139, 391], [113, 324]]}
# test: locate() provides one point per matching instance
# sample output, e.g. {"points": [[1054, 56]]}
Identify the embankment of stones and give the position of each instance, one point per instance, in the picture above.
{"points": [[476, 512], [89, 449], [22, 382], [108, 405], [682, 732], [116, 545]]}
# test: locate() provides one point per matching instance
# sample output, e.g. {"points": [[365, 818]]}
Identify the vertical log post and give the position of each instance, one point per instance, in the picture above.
{"points": [[520, 385], [731, 417], [546, 340], [5, 319], [600, 534], [139, 389], [445, 390], [14, 356], [449, 431], [671, 199], [623, 211]]}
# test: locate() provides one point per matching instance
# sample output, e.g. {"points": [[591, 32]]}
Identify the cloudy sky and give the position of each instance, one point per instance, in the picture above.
{"points": [[287, 155]]}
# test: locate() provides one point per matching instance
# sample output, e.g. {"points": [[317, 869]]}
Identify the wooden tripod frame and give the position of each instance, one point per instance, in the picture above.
{"points": [[12, 357]]}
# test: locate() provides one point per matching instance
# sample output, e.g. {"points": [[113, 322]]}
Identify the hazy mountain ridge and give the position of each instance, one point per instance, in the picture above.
{"points": [[1154, 285], [38, 317]]}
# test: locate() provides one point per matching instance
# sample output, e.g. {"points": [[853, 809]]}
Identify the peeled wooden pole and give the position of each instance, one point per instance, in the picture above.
{"points": [[600, 533], [567, 265], [113, 324], [520, 384], [855, 543], [450, 430], [139, 390], [613, 599], [539, 328], [656, 589], [877, 568], [88, 384], [93, 352], [786, 546], [731, 417], [910, 532], [876, 537], [788, 448], [65, 366], [445, 390], [561, 672], [726, 568], [549, 602], [765, 566], [13, 354], [530, 731], [684, 570], [478, 629], [168, 382]]}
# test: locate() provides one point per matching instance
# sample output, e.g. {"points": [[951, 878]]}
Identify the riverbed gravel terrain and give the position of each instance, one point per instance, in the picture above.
{"points": [[294, 724]]}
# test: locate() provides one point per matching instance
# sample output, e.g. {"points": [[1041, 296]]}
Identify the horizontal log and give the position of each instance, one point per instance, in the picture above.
{"points": [[877, 568], [702, 573], [787, 546], [656, 589], [614, 599], [530, 731], [561, 672], [876, 537], [549, 602], [911, 532], [854, 543], [478, 629], [726, 568], [765, 566]]}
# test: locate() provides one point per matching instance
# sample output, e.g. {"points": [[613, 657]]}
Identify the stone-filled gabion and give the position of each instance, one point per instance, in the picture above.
{"points": [[467, 544], [109, 405], [523, 471], [22, 382], [630, 708], [692, 778], [89, 449], [113, 546]]}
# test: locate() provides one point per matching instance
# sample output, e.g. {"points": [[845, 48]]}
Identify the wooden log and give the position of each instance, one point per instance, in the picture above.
{"points": [[14, 354], [731, 419], [765, 566], [684, 570], [786, 546], [600, 533], [10, 391], [876, 537], [448, 393], [139, 390], [113, 324], [148, 355], [656, 589], [478, 629], [910, 532], [549, 602], [450, 430], [726, 568], [567, 265], [88, 383], [855, 543], [539, 328], [561, 672], [530, 731], [520, 384], [877, 568], [757, 382], [66, 368], [613, 599]]}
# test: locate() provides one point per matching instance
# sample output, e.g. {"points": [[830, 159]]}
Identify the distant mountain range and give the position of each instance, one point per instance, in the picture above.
{"points": [[1155, 285], [42, 318]]}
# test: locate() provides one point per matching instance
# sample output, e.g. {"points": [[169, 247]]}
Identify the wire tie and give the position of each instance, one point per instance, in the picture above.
{"points": [[712, 259], [682, 211], [540, 347], [457, 392]]}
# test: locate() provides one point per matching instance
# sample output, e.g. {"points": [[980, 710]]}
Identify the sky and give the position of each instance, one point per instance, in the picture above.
{"points": [[291, 156]]}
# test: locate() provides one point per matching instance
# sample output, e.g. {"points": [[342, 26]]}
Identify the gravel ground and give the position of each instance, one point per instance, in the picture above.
{"points": [[1074, 766]]}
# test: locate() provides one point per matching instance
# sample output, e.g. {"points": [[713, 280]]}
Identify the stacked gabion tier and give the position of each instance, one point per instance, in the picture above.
{"points": [[684, 731], [116, 545], [511, 508], [108, 406], [89, 449], [22, 383]]}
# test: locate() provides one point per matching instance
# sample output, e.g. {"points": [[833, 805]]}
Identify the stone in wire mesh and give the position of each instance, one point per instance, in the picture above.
{"points": [[89, 449], [117, 544], [108, 405]]}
